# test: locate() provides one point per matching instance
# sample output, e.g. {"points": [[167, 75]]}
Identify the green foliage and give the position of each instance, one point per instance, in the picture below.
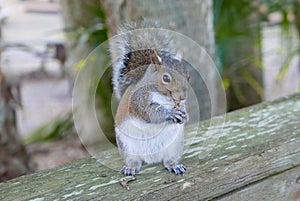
{"points": [[238, 39], [286, 64], [55, 129], [92, 33], [289, 10]]}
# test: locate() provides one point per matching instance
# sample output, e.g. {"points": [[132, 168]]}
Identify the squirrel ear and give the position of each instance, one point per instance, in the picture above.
{"points": [[179, 55], [155, 59]]}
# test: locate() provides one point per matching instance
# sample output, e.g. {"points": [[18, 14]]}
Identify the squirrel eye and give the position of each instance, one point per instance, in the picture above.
{"points": [[166, 78]]}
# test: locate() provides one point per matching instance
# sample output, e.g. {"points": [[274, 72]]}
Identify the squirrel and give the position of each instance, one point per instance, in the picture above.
{"points": [[151, 84]]}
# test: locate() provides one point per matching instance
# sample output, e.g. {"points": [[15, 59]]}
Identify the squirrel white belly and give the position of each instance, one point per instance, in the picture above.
{"points": [[159, 143], [152, 85]]}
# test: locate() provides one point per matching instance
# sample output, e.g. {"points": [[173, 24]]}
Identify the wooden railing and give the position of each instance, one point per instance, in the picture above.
{"points": [[255, 157]]}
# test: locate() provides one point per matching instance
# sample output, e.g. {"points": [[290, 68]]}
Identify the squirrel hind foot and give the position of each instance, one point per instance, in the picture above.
{"points": [[176, 168], [129, 171]]}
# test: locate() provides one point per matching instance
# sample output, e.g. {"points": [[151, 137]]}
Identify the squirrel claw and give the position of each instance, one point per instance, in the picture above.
{"points": [[177, 169], [178, 116], [127, 171]]}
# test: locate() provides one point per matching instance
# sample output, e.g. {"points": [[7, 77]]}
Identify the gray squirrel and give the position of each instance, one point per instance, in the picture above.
{"points": [[151, 83]]}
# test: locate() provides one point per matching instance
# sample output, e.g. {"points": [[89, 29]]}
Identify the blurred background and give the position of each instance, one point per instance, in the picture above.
{"points": [[43, 44]]}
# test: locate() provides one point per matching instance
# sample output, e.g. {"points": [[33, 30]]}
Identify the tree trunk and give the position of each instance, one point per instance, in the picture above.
{"points": [[75, 16], [193, 19], [81, 15], [14, 160]]}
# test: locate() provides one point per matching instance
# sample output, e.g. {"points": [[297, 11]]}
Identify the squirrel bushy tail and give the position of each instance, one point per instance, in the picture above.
{"points": [[131, 52]]}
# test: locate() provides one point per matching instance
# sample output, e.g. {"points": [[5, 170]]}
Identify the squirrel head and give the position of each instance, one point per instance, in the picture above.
{"points": [[169, 81]]}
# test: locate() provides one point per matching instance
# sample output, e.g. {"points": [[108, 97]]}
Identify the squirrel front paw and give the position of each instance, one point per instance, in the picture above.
{"points": [[178, 116]]}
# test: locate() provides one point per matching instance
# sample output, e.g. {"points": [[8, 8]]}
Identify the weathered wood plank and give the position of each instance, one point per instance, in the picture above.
{"points": [[256, 143], [284, 186]]}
